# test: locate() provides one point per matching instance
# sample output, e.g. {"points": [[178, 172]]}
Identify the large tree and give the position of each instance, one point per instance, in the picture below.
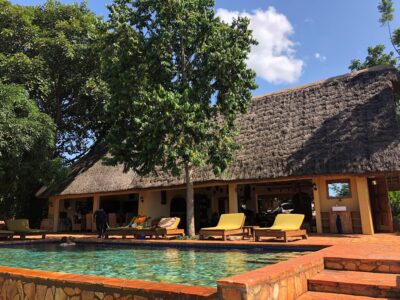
{"points": [[377, 55], [53, 51], [178, 78], [26, 143]]}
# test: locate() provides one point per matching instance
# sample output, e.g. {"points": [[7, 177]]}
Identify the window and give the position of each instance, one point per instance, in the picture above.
{"points": [[338, 189]]}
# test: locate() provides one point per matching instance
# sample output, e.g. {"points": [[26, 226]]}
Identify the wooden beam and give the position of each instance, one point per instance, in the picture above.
{"points": [[317, 203], [365, 205], [233, 198]]}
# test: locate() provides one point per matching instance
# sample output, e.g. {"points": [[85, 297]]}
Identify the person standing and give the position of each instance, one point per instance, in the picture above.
{"points": [[100, 217]]}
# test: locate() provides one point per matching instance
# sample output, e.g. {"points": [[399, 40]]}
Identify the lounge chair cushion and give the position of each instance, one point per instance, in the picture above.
{"points": [[167, 223], [229, 222], [147, 224], [19, 225], [286, 222], [22, 225], [140, 220], [130, 222], [136, 222], [175, 225]]}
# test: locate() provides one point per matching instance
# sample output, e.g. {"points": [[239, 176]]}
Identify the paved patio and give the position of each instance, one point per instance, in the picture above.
{"points": [[336, 268], [313, 239]]}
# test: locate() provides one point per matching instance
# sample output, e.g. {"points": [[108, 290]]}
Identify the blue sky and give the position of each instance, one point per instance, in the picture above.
{"points": [[301, 41]]}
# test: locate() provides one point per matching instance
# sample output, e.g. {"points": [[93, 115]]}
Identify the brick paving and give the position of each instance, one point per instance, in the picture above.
{"points": [[356, 283], [343, 251], [336, 278], [334, 296], [314, 239]]}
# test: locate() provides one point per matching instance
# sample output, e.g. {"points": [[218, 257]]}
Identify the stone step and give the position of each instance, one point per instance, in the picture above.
{"points": [[356, 283], [333, 296], [363, 265]]}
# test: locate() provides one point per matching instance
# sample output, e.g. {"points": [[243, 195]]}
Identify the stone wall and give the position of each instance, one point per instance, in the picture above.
{"points": [[17, 283], [286, 280], [363, 265]]}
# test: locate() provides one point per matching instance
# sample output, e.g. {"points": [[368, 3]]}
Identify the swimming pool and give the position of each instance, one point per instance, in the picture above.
{"points": [[169, 265]]}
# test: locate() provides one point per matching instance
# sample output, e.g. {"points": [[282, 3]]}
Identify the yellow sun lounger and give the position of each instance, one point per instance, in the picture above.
{"points": [[285, 226], [228, 224], [21, 227]]}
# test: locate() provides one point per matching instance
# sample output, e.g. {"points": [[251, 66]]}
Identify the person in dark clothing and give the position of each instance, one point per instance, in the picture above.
{"points": [[100, 217]]}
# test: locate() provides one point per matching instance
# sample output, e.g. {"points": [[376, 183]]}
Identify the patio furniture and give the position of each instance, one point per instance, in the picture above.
{"points": [[128, 218], [21, 227], [6, 234], [285, 226], [166, 227], [248, 231], [228, 224], [124, 231]]}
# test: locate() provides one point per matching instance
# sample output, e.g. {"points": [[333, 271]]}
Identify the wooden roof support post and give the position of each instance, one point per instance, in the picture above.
{"points": [[317, 203], [233, 198], [365, 205], [96, 206], [56, 212], [142, 205]]}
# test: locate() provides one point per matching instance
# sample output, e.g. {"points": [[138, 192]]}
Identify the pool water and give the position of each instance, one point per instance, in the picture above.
{"points": [[170, 265]]}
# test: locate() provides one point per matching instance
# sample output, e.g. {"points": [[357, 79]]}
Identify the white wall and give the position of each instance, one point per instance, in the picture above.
{"points": [[151, 205]]}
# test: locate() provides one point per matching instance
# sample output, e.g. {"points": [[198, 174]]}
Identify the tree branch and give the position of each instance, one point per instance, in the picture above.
{"points": [[391, 39]]}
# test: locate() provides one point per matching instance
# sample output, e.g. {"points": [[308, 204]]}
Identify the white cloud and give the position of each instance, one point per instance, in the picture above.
{"points": [[273, 58], [320, 57]]}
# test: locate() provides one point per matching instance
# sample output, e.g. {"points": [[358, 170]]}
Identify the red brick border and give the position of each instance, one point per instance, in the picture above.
{"points": [[284, 280], [36, 284]]}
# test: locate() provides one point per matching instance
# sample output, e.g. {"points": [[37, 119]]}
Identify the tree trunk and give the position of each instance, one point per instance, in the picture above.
{"points": [[189, 201], [57, 118]]}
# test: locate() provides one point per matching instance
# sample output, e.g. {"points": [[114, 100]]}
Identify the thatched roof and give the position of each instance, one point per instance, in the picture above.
{"points": [[345, 124]]}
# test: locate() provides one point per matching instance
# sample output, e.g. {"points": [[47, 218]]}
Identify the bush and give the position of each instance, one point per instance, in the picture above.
{"points": [[394, 198]]}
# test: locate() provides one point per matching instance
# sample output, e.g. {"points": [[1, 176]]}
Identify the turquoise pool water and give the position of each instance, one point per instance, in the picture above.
{"points": [[170, 265]]}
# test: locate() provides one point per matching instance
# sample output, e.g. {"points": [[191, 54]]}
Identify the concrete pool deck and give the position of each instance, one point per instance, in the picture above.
{"points": [[349, 267]]}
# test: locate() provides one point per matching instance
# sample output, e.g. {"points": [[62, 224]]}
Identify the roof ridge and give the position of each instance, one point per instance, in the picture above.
{"points": [[378, 68]]}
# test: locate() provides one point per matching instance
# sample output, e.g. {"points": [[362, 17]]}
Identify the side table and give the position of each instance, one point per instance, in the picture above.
{"points": [[248, 231]]}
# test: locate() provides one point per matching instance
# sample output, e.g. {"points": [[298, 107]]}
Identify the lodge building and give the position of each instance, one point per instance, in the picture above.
{"points": [[330, 147]]}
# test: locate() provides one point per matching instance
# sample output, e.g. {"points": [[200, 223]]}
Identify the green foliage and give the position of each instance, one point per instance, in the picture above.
{"points": [[394, 198], [376, 56], [339, 190], [53, 51], [178, 77], [26, 142], [386, 10], [396, 37]]}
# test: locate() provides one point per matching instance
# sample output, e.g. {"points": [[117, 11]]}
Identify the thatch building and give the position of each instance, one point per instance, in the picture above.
{"points": [[331, 143]]}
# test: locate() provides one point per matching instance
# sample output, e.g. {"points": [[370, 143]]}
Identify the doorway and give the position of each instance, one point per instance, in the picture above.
{"points": [[202, 211], [178, 209], [295, 196], [380, 206], [120, 209]]}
